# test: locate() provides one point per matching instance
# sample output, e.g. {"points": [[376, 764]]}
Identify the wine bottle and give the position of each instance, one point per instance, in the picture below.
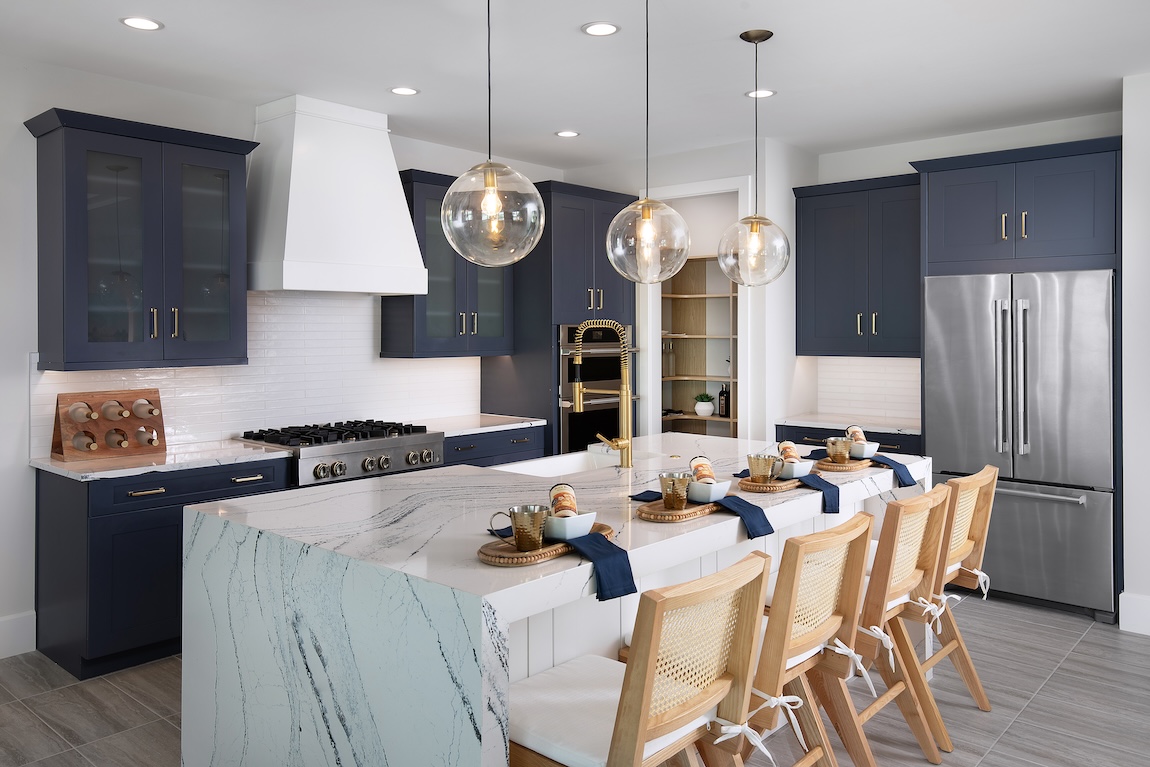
{"points": [[116, 438], [81, 413], [147, 437], [114, 411], [724, 402], [144, 409], [84, 441]]}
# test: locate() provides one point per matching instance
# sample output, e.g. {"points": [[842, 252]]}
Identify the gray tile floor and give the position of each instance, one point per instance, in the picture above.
{"points": [[1066, 692], [49, 718]]}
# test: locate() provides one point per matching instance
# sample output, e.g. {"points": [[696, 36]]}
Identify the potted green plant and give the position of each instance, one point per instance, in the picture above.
{"points": [[704, 404]]}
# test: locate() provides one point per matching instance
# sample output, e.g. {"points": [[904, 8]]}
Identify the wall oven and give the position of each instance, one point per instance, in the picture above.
{"points": [[600, 370]]}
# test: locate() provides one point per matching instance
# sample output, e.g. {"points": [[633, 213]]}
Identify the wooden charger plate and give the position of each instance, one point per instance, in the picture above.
{"points": [[655, 511], [826, 464], [502, 553], [772, 486]]}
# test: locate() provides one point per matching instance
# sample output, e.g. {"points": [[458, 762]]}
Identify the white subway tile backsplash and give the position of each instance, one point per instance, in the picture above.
{"points": [[886, 387], [311, 357]]}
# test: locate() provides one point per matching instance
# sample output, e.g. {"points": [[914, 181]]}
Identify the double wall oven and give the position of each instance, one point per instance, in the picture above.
{"points": [[600, 370]]}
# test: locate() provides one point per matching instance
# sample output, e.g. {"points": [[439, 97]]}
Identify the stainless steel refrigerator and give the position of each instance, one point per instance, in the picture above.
{"points": [[1018, 371]]}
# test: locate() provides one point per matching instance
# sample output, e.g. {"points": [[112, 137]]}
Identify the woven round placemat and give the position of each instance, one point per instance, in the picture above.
{"points": [[826, 464], [773, 486], [655, 512], [503, 554]]}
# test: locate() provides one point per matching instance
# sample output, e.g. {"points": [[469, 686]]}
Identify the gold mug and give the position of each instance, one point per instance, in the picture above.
{"points": [[673, 485], [839, 449], [526, 525], [764, 467]]}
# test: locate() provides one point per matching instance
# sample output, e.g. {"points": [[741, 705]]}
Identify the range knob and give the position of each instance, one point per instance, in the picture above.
{"points": [[338, 469], [384, 462], [426, 456], [413, 458], [369, 463], [321, 471]]}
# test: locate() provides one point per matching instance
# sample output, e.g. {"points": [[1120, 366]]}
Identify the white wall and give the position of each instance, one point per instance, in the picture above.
{"points": [[1134, 604]]}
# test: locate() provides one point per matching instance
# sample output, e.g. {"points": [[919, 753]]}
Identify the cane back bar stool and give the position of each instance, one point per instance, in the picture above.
{"points": [[691, 662], [900, 582], [815, 605]]}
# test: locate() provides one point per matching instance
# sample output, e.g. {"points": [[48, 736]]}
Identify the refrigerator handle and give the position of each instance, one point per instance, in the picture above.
{"points": [[1001, 358], [1022, 431], [1079, 499]]}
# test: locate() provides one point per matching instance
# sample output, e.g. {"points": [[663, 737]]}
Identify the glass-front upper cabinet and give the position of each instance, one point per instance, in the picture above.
{"points": [[142, 244]]}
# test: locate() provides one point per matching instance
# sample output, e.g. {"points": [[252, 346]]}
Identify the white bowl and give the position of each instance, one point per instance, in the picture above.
{"points": [[566, 528], [706, 492], [795, 470], [863, 449]]}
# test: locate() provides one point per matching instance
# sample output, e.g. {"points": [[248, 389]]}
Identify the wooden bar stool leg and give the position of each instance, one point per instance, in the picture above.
{"points": [[908, 701], [689, 758], [810, 723], [836, 699], [960, 657], [916, 678]]}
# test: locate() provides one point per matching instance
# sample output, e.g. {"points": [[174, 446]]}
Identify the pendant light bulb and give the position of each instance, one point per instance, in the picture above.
{"points": [[754, 250], [492, 215], [648, 241]]}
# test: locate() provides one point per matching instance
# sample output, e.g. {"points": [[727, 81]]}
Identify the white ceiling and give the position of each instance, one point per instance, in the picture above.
{"points": [[850, 73]]}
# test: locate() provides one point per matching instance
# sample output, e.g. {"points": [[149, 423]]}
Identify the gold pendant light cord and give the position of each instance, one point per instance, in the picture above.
{"points": [[489, 80], [647, 115], [756, 100]]}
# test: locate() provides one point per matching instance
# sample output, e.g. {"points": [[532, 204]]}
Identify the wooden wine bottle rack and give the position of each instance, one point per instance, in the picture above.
{"points": [[65, 429]]}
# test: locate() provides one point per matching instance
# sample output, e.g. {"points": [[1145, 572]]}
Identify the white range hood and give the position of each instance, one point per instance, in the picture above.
{"points": [[326, 210]]}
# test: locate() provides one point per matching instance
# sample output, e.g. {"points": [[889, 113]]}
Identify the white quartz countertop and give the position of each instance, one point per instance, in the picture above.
{"points": [[430, 524], [841, 421], [192, 455], [479, 423]]}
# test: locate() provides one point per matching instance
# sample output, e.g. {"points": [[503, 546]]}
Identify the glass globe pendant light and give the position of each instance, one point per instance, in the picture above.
{"points": [[492, 215], [648, 240], [754, 250]]}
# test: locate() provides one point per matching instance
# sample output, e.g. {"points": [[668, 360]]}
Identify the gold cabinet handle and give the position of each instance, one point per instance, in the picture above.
{"points": [[600, 298], [874, 323], [858, 323], [1024, 224], [1003, 226], [590, 299], [461, 448], [175, 322], [520, 441], [138, 493], [254, 478], [475, 323], [155, 322], [462, 324], [816, 441]]}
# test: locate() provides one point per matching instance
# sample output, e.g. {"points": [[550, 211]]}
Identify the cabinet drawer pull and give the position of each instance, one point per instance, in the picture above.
{"points": [[600, 298], [254, 478], [462, 324], [874, 323], [816, 441], [1003, 226], [889, 447], [520, 441], [590, 299], [155, 322], [1024, 224], [475, 323], [175, 322], [460, 449], [138, 493], [858, 323]]}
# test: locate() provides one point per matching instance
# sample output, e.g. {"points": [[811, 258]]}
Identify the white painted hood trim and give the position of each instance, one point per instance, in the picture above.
{"points": [[326, 210]]}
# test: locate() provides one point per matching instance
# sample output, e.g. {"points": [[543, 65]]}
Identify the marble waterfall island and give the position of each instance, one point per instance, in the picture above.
{"points": [[352, 623]]}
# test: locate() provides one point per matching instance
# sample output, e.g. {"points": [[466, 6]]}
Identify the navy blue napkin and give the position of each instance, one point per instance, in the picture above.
{"points": [[612, 567], [503, 532], [830, 492], [647, 495], [743, 474], [754, 520], [901, 472], [817, 454]]}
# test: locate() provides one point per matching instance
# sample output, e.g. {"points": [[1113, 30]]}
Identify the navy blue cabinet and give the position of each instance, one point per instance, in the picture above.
{"points": [[468, 309], [1042, 208], [109, 557], [857, 268], [494, 447], [142, 244], [812, 436]]}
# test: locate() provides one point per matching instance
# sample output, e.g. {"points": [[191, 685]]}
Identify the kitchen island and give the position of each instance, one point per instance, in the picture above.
{"points": [[353, 623]]}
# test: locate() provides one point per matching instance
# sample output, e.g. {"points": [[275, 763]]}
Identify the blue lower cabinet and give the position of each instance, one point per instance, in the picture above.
{"points": [[495, 447], [109, 558], [889, 442]]}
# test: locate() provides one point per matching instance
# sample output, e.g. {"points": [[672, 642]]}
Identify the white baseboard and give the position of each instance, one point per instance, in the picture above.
{"points": [[1134, 612], [17, 633]]}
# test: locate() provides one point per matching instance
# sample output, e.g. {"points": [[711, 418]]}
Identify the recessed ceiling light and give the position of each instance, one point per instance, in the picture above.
{"points": [[139, 22], [760, 94], [404, 91], [600, 28], [567, 134]]}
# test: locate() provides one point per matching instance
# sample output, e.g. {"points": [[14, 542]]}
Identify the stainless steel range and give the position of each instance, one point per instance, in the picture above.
{"points": [[354, 449]]}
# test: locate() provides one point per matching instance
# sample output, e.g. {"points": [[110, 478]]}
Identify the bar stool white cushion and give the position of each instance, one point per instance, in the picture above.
{"points": [[567, 713]]}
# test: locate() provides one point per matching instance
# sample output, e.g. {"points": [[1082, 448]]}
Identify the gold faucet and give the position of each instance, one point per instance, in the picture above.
{"points": [[623, 442]]}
